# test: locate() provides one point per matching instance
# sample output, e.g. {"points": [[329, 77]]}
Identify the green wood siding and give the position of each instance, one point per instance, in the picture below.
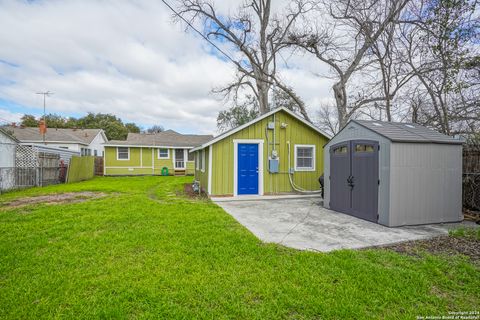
{"points": [[140, 162], [200, 176], [296, 132]]}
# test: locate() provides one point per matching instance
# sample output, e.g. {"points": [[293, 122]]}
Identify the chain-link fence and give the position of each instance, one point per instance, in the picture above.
{"points": [[471, 177], [29, 167]]}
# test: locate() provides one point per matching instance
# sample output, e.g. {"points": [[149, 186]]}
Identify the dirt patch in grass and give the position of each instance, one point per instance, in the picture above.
{"points": [[188, 191], [441, 245], [57, 198]]}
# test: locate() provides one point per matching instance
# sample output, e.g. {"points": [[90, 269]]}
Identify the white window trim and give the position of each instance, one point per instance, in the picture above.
{"points": [[163, 158], [259, 142], [175, 160], [128, 148], [203, 161], [314, 156]]}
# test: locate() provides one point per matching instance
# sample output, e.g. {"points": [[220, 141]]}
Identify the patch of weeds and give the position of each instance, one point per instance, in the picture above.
{"points": [[465, 232]]}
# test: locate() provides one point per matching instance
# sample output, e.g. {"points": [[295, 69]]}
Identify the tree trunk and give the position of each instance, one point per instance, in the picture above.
{"points": [[341, 101], [262, 88]]}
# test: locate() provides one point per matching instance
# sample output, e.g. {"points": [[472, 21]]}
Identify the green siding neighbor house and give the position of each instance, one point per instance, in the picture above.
{"points": [[277, 153], [152, 154]]}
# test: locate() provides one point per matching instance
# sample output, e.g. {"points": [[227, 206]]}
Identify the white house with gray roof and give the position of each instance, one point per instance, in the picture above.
{"points": [[85, 141]]}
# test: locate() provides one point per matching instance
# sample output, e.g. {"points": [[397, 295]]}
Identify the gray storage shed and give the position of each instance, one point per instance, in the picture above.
{"points": [[394, 174]]}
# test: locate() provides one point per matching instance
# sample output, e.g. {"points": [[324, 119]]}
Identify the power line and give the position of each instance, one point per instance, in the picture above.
{"points": [[200, 33]]}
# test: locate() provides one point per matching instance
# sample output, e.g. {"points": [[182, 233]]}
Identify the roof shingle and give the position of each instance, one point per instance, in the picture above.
{"points": [[83, 136], [407, 132], [167, 138]]}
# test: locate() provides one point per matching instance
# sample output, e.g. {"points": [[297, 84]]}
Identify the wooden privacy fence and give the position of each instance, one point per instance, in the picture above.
{"points": [[80, 168], [471, 177]]}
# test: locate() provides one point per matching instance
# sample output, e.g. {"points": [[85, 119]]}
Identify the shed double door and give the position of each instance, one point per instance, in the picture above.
{"points": [[354, 178]]}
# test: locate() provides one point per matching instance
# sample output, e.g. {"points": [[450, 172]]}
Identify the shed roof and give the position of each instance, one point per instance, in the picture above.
{"points": [[407, 132], [167, 138], [32, 134]]}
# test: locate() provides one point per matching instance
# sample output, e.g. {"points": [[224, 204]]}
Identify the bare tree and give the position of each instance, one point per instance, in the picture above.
{"points": [[437, 38], [327, 120], [257, 36], [355, 25]]}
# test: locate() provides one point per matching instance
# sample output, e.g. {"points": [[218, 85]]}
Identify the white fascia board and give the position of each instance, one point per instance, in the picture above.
{"points": [[50, 141], [237, 129], [142, 146]]}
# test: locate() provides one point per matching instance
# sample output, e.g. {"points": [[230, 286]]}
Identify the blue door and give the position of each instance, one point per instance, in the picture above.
{"points": [[247, 168]]}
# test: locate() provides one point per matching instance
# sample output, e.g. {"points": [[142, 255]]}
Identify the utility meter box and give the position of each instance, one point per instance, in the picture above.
{"points": [[273, 165], [271, 125]]}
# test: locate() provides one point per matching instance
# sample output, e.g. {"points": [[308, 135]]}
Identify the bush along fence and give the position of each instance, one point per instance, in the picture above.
{"points": [[471, 177], [81, 168], [32, 168]]}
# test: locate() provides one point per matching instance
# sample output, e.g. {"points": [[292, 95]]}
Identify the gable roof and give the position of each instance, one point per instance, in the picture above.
{"points": [[32, 134], [407, 132], [263, 116], [167, 138], [8, 135]]}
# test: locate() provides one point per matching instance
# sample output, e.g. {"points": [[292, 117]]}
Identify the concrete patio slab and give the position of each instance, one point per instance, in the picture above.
{"points": [[303, 223]]}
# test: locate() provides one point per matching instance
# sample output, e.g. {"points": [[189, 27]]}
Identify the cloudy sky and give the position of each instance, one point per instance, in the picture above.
{"points": [[121, 57]]}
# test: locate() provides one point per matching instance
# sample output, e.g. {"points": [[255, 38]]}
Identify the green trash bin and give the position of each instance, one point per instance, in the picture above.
{"points": [[164, 171]]}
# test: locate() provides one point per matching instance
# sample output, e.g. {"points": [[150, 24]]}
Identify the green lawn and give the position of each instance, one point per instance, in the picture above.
{"points": [[146, 252]]}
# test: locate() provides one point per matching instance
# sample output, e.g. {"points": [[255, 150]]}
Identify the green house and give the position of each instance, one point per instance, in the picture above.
{"points": [[276, 153], [152, 154]]}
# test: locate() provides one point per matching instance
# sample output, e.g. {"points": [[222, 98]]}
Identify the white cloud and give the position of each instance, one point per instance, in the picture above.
{"points": [[7, 117], [122, 57]]}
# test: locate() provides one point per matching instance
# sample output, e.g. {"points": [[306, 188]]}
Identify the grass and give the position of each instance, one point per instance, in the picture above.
{"points": [[469, 233], [146, 252]]}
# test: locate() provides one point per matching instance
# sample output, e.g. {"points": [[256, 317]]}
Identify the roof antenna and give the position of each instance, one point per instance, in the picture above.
{"points": [[43, 123]]}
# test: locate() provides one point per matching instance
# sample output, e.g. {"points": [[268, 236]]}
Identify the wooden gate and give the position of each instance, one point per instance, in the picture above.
{"points": [[49, 168], [99, 166]]}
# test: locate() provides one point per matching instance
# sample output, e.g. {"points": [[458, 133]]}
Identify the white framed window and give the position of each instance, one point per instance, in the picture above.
{"points": [[202, 161], [123, 153], [163, 153], [304, 157]]}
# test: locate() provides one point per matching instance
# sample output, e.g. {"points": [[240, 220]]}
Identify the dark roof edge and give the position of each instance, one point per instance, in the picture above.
{"points": [[406, 140]]}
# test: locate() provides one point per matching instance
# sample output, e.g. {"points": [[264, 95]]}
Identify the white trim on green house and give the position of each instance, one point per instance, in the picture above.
{"points": [[210, 152], [237, 129], [128, 154], [297, 168], [159, 156], [259, 143]]}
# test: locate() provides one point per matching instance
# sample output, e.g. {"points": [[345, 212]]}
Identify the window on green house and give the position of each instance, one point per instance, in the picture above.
{"points": [[123, 153], [203, 160], [191, 155], [304, 157], [163, 153]]}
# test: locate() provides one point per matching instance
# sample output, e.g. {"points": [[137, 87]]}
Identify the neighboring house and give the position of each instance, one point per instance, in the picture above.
{"points": [[152, 154], [278, 152], [394, 174], [8, 148], [86, 141]]}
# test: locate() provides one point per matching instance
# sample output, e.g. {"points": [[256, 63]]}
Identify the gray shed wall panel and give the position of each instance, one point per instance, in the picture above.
{"points": [[425, 183], [354, 131]]}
